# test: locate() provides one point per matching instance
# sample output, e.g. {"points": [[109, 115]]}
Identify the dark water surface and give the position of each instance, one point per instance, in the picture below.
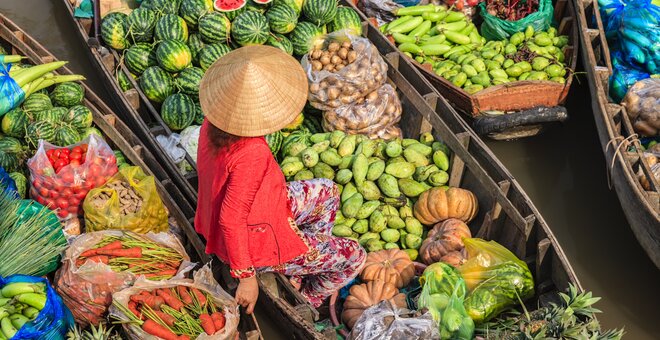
{"points": [[563, 171]]}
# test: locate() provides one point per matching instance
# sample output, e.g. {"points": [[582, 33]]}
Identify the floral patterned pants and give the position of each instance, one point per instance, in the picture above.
{"points": [[331, 262]]}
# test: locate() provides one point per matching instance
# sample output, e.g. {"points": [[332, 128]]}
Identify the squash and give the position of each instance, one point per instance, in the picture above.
{"points": [[445, 243], [439, 204], [366, 295], [392, 265]]}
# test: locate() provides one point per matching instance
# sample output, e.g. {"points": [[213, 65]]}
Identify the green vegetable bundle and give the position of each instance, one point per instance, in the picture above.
{"points": [[378, 181]]}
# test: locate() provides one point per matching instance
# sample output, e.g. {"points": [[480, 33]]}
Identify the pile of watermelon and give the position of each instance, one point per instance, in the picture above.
{"points": [[167, 45]]}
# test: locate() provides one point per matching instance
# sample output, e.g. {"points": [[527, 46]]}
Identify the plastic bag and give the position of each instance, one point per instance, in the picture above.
{"points": [[443, 294], [66, 190], [387, 322], [203, 280], [372, 115], [642, 103], [330, 90], [87, 289], [623, 76], [7, 184], [11, 95], [495, 277], [172, 147], [383, 10], [53, 321], [190, 140], [114, 206], [494, 28]]}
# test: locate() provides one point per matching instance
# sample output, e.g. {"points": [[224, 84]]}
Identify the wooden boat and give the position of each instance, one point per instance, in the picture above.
{"points": [[120, 137], [508, 111], [617, 137], [132, 106]]}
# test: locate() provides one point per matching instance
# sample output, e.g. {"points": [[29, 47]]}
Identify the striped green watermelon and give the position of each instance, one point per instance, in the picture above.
{"points": [[156, 84], [199, 114], [281, 42], [210, 53], [37, 102], [214, 27], [114, 30], [54, 115], [274, 141], [254, 6], [141, 23], [195, 44], [162, 7], [14, 123], [171, 27], [231, 15], [123, 81], [192, 10], [346, 19], [295, 4], [21, 183], [294, 137], [305, 37], [178, 111], [250, 28], [68, 94], [140, 56], [91, 131], [187, 81], [12, 153], [173, 55], [312, 123], [319, 12], [282, 18], [66, 134], [40, 130], [79, 116]]}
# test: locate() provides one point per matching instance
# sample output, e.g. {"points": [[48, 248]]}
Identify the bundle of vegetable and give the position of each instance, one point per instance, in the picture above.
{"points": [[511, 10], [19, 82], [377, 180], [31, 237], [21, 302]]}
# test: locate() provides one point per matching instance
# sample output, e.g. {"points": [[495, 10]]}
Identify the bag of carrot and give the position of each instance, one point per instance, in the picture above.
{"points": [[98, 264], [177, 309]]}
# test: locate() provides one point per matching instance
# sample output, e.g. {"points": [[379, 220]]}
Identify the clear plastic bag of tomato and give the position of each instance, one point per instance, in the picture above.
{"points": [[62, 176]]}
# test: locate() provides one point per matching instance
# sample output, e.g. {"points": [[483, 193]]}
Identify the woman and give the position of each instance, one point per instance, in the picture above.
{"points": [[251, 218]]}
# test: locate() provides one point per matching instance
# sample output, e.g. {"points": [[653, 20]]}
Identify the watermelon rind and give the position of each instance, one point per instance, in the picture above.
{"points": [[156, 84], [192, 10], [274, 141], [250, 28], [67, 94], [214, 27], [91, 131], [319, 12], [282, 18], [140, 56], [281, 42], [178, 111], [141, 23], [305, 37], [199, 114], [210, 53], [114, 31], [173, 55], [171, 27], [188, 80]]}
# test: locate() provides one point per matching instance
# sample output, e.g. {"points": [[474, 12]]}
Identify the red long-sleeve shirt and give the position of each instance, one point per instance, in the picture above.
{"points": [[242, 207]]}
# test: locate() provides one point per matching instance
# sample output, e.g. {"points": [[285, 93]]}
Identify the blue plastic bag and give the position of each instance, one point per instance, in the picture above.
{"points": [[7, 183], [623, 76], [54, 320], [11, 95]]}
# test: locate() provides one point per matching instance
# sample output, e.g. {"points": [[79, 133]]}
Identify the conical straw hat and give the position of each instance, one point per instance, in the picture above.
{"points": [[253, 91]]}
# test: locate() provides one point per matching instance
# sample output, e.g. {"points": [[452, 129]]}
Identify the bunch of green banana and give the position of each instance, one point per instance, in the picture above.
{"points": [[20, 302], [378, 180]]}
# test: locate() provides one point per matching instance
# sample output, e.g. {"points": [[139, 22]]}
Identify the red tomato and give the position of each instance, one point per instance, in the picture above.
{"points": [[50, 152], [41, 200], [67, 176], [73, 210], [59, 164], [49, 203], [74, 202], [65, 151], [67, 192], [110, 171], [62, 213], [58, 187], [57, 153], [83, 147], [75, 155], [74, 163], [80, 195], [44, 192], [99, 182], [112, 160], [95, 170], [62, 203], [77, 149]]}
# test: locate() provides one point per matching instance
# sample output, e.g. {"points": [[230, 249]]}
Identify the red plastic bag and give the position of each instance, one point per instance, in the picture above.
{"points": [[65, 190]]}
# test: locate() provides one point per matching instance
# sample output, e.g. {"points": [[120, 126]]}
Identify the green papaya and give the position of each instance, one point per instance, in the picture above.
{"points": [[296, 148], [346, 162], [410, 187], [440, 146], [339, 217], [391, 245], [360, 168], [303, 175], [360, 226], [412, 253], [343, 176], [319, 137], [413, 226], [393, 148], [373, 245], [341, 230], [412, 241], [321, 146], [390, 235], [349, 222], [322, 170], [347, 146], [395, 222], [375, 170], [292, 168], [309, 157], [405, 212], [368, 147], [377, 222], [380, 150], [364, 238], [330, 157], [414, 157], [424, 150], [351, 206], [422, 173], [367, 209], [438, 178], [426, 138], [389, 186], [406, 142], [369, 190], [441, 160], [349, 190], [397, 159], [290, 159], [336, 137], [400, 169], [389, 210]]}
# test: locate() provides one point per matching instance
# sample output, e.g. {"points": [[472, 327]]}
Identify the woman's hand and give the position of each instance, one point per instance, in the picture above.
{"points": [[247, 293]]}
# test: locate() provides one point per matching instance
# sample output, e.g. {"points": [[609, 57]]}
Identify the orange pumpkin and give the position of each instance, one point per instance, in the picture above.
{"points": [[392, 265], [366, 295], [439, 204], [445, 243]]}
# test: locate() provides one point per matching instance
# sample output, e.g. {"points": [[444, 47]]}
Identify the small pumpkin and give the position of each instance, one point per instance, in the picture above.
{"points": [[439, 204], [366, 295], [445, 243], [391, 265]]}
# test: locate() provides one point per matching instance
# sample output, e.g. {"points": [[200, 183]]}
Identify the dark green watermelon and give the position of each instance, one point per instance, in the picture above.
{"points": [[68, 94], [141, 23], [65, 135], [192, 10], [114, 30], [171, 27], [140, 56], [214, 27], [12, 154], [210, 53], [250, 28], [14, 123], [178, 111], [156, 84], [188, 80], [37, 102], [281, 42], [79, 116], [173, 55]]}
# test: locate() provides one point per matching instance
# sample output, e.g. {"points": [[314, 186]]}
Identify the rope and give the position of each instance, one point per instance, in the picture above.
{"points": [[624, 141]]}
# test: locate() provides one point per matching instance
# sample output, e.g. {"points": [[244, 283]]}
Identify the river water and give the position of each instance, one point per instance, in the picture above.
{"points": [[563, 172]]}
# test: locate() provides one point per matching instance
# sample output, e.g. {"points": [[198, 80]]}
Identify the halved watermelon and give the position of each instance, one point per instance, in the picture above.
{"points": [[228, 5], [262, 2]]}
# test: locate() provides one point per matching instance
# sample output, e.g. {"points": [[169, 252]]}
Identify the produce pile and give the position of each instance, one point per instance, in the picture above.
{"points": [[448, 43], [23, 302], [511, 10]]}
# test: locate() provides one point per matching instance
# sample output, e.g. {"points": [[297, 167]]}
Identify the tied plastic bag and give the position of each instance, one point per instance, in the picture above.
{"points": [[66, 190], [494, 28], [372, 115], [443, 294], [190, 140], [388, 322], [624, 76], [642, 104], [52, 322], [361, 76], [495, 277], [7, 184], [87, 288], [127, 201], [11, 95], [383, 10], [202, 280]]}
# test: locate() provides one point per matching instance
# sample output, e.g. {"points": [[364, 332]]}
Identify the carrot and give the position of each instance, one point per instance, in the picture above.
{"points": [[199, 295], [218, 321], [167, 319], [184, 294], [207, 323], [135, 252], [169, 272], [153, 328], [147, 299], [112, 245], [170, 299], [184, 337], [96, 258], [132, 306]]}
